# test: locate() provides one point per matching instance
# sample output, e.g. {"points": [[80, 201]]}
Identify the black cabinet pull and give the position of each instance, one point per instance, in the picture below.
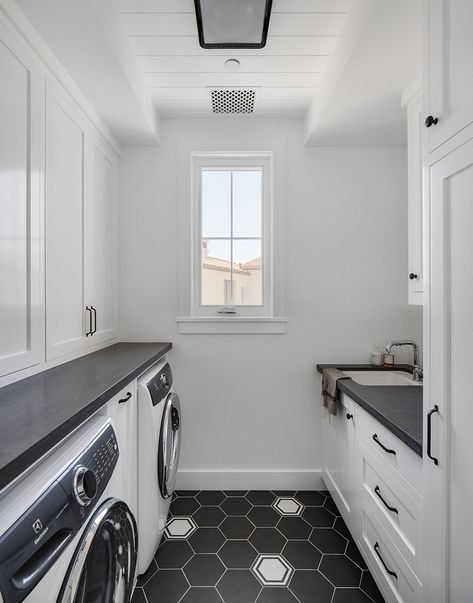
{"points": [[376, 550], [87, 333], [126, 398], [95, 320], [431, 121], [388, 450], [429, 434], [377, 491], [412, 276], [349, 416]]}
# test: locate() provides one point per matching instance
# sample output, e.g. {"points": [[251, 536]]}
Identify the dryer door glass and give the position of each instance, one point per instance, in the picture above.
{"points": [[104, 565], [169, 445]]}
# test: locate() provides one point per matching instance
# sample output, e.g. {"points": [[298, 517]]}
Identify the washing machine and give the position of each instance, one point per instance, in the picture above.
{"points": [[159, 441], [67, 534]]}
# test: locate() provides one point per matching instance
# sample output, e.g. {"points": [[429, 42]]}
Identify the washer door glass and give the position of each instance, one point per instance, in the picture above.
{"points": [[169, 445], [104, 566]]}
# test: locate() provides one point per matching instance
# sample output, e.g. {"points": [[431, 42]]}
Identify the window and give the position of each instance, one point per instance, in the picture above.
{"points": [[232, 235]]}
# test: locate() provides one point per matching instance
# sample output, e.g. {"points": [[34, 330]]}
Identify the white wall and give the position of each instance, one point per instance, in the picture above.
{"points": [[251, 410]]}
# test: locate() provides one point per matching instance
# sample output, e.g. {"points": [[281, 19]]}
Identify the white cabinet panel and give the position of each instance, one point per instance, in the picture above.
{"points": [[339, 450], [20, 199], [100, 240], [449, 65], [65, 135], [449, 487]]}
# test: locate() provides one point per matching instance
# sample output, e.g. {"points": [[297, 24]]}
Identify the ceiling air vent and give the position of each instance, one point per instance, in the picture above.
{"points": [[233, 101]]}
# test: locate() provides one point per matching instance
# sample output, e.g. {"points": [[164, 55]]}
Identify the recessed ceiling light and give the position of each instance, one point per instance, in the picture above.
{"points": [[232, 64], [233, 23]]}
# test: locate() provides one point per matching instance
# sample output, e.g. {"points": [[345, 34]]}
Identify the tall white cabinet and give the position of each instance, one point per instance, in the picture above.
{"points": [[448, 315], [20, 206], [58, 201]]}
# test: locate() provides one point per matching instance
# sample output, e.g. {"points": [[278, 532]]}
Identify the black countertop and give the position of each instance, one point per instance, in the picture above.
{"points": [[397, 407], [38, 412]]}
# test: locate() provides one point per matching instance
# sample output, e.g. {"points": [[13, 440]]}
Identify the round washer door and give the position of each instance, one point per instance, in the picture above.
{"points": [[169, 445], [103, 567]]}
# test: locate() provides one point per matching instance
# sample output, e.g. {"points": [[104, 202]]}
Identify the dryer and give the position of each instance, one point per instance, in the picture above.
{"points": [[159, 442], [67, 534]]}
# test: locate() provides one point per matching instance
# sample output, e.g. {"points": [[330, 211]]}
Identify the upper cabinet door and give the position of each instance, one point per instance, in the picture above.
{"points": [[20, 205], [100, 244], [65, 138], [449, 68]]}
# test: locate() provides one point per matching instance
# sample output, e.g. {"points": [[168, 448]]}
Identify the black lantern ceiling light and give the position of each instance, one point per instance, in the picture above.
{"points": [[233, 23]]}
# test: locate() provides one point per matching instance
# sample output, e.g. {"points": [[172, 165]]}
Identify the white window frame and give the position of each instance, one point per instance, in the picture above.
{"points": [[229, 161]]}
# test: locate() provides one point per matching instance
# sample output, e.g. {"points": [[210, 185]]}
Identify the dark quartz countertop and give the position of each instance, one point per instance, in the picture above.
{"points": [[397, 407], [38, 412]]}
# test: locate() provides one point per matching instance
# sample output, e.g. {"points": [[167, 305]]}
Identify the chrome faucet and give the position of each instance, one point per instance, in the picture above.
{"points": [[417, 373]]}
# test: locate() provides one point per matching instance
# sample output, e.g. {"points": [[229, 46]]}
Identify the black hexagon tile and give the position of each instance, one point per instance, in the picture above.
{"points": [[300, 551]]}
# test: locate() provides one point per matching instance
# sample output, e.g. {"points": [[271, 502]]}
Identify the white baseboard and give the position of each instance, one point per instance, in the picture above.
{"points": [[194, 479]]}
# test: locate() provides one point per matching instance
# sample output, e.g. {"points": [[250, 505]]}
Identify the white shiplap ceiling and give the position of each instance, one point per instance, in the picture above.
{"points": [[286, 74]]}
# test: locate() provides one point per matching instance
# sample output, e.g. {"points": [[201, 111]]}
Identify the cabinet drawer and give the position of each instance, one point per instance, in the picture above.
{"points": [[389, 449], [396, 504], [397, 581]]}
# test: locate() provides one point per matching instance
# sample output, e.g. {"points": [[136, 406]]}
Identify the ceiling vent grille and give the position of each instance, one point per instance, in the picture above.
{"points": [[233, 101]]}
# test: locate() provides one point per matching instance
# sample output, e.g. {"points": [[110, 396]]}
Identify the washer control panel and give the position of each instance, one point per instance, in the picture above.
{"points": [[160, 384], [88, 476]]}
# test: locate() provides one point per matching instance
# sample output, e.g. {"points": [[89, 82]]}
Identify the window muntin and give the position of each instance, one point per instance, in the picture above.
{"points": [[232, 236]]}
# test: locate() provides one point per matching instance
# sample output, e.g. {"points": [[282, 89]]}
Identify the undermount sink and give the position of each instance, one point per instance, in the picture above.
{"points": [[382, 377]]}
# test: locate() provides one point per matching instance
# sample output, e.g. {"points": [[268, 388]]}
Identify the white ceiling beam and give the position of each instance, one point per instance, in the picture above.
{"points": [[355, 25]]}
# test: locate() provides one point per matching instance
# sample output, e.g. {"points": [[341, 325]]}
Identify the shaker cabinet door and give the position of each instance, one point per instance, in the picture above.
{"points": [[65, 140], [448, 69], [20, 206]]}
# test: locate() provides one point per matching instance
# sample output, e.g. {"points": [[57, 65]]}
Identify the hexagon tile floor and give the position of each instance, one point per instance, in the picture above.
{"points": [[257, 546]]}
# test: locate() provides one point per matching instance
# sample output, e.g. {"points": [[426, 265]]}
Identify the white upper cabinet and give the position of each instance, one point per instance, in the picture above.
{"points": [[65, 139], [412, 100], [100, 218], [449, 68], [20, 205], [81, 176]]}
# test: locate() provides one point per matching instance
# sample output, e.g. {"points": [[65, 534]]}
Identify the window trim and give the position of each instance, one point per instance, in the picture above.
{"points": [[229, 160]]}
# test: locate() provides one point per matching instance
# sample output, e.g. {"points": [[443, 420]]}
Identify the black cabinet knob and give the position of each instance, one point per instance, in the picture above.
{"points": [[412, 276], [431, 121], [349, 416]]}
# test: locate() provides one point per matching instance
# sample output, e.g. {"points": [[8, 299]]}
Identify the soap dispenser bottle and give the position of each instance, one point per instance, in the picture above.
{"points": [[376, 357]]}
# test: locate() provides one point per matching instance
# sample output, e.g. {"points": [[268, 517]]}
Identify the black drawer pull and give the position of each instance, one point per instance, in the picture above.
{"points": [[126, 398], [390, 572], [429, 434], [378, 494], [349, 415], [388, 450]]}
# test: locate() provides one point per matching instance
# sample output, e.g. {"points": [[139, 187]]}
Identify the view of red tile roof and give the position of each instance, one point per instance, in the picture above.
{"points": [[252, 264], [223, 265]]}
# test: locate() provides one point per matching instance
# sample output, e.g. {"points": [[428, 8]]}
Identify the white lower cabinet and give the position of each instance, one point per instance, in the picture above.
{"points": [[339, 448], [376, 482]]}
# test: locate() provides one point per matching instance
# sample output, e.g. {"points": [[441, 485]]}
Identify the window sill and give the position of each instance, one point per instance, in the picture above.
{"points": [[234, 324]]}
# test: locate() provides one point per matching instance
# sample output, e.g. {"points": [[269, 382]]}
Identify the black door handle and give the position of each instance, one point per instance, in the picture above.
{"points": [[87, 333], [431, 121], [377, 491], [429, 434], [126, 398], [95, 320], [376, 550], [388, 450], [412, 276]]}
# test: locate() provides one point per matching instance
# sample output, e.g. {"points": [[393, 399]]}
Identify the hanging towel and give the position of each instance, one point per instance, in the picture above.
{"points": [[330, 400]]}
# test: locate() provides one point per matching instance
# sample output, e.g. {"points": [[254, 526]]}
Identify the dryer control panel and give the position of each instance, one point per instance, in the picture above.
{"points": [[37, 539], [160, 385]]}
